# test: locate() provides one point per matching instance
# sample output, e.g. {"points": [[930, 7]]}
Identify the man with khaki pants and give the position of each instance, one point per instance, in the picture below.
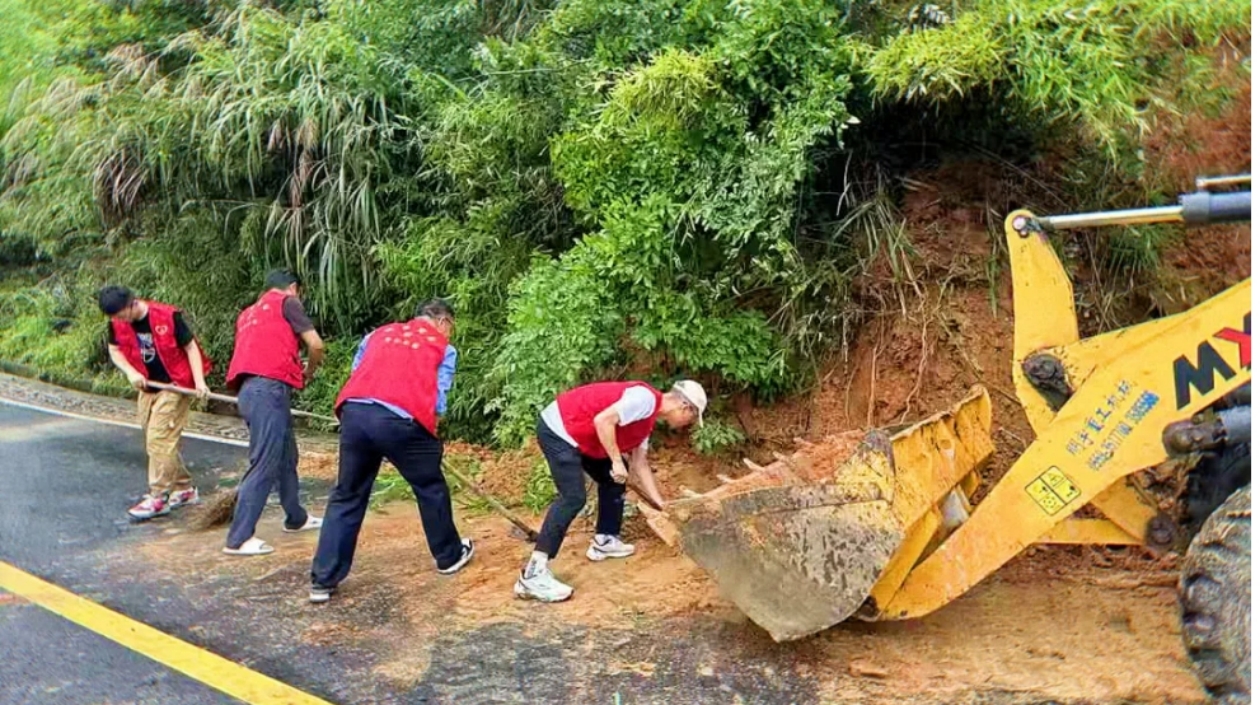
{"points": [[151, 342]]}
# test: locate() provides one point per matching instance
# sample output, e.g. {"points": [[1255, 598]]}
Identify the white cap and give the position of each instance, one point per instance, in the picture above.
{"points": [[694, 394]]}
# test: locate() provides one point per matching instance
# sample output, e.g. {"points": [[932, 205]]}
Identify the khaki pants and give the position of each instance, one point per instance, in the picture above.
{"points": [[163, 416]]}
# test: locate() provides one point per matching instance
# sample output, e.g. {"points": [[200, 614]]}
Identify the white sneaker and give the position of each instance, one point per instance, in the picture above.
{"points": [[312, 523], [603, 547], [320, 595], [542, 586], [465, 556]]}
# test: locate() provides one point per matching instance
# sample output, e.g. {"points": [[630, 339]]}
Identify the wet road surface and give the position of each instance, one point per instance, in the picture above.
{"points": [[65, 486]]}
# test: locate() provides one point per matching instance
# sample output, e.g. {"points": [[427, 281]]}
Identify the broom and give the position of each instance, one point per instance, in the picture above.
{"points": [[219, 510]]}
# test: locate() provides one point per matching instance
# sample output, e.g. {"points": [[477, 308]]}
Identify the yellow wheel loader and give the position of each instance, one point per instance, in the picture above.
{"points": [[892, 526]]}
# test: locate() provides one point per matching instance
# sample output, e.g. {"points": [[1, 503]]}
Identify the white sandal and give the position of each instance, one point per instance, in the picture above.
{"points": [[312, 523], [252, 547]]}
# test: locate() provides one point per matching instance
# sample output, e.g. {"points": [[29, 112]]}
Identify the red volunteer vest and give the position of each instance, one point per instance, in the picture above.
{"points": [[400, 367], [580, 405], [265, 344], [173, 357]]}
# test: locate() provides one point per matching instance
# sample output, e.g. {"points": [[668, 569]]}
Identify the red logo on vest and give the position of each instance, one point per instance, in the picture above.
{"points": [[173, 356]]}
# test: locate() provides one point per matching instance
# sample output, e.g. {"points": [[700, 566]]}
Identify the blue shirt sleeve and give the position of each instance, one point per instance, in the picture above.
{"points": [[358, 354], [445, 377]]}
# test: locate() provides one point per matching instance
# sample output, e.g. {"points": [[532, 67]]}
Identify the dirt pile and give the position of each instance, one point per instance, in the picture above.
{"points": [[318, 465], [503, 475], [392, 566]]}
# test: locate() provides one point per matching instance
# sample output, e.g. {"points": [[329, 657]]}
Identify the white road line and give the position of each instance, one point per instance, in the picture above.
{"points": [[124, 424]]}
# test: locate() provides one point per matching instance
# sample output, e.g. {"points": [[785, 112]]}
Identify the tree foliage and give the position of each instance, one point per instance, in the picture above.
{"points": [[592, 183]]}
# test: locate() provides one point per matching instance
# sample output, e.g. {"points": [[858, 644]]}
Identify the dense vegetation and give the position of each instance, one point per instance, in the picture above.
{"points": [[689, 186]]}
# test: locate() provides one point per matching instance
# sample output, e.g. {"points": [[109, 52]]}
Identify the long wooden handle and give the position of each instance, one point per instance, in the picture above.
{"points": [[494, 503], [232, 400], [497, 506], [631, 484]]}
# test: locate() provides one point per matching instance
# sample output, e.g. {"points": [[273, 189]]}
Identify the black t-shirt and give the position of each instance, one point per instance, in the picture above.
{"points": [[144, 334], [295, 315]]}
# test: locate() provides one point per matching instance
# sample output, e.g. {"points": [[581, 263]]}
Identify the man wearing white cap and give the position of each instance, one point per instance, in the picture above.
{"points": [[589, 429]]}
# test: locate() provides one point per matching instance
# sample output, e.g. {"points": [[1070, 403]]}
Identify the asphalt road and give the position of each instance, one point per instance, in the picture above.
{"points": [[65, 486], [68, 484], [47, 659]]}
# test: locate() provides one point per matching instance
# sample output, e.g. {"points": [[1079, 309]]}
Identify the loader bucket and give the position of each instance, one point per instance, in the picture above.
{"points": [[832, 531], [799, 558]]}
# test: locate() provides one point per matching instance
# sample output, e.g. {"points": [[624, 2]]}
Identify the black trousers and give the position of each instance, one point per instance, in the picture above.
{"points": [[567, 467], [370, 433]]}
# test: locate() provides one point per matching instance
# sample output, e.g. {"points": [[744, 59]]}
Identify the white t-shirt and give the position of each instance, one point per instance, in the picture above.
{"points": [[636, 403]]}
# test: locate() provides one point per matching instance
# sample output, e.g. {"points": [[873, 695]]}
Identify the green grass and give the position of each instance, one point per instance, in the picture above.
{"points": [[540, 490], [389, 487], [1137, 250], [715, 437], [44, 335], [392, 487]]}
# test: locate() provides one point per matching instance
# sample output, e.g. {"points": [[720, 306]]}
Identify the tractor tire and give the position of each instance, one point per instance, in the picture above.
{"points": [[1215, 597]]}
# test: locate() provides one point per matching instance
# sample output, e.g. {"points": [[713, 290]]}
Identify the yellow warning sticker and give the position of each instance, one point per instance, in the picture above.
{"points": [[1052, 491]]}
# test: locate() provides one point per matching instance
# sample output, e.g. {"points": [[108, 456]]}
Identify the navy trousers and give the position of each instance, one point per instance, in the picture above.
{"points": [[567, 466], [273, 458], [370, 433]]}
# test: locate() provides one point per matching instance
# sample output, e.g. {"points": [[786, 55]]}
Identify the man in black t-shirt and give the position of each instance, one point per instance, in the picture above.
{"points": [[150, 342], [144, 334]]}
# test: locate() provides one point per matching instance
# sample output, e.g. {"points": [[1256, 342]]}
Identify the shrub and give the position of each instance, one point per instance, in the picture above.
{"points": [[715, 437], [698, 183]]}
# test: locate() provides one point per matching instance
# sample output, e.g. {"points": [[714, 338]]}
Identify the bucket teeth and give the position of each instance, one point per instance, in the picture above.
{"points": [[799, 558], [831, 531]]}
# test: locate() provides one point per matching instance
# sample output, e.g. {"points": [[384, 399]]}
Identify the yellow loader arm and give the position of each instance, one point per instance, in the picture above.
{"points": [[884, 528], [1100, 408]]}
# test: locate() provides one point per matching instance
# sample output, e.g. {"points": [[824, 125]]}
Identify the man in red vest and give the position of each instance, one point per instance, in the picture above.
{"points": [[389, 408], [151, 342], [266, 367], [588, 430]]}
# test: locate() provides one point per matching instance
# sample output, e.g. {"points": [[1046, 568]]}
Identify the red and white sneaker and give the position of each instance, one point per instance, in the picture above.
{"points": [[179, 498], [150, 507]]}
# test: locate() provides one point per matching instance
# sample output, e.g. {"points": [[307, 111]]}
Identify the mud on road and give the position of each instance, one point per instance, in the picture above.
{"points": [[1059, 624], [1048, 628]]}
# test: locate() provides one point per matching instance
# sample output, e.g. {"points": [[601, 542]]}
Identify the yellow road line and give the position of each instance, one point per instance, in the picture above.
{"points": [[197, 663]]}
